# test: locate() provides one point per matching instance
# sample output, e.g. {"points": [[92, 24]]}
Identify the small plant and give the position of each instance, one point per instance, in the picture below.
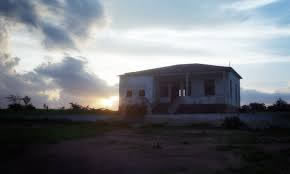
{"points": [[15, 107], [233, 123]]}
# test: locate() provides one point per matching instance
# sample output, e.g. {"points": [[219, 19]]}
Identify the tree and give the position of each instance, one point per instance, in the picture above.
{"points": [[258, 107], [245, 108], [280, 102], [75, 106], [279, 105], [26, 100], [14, 99], [45, 106]]}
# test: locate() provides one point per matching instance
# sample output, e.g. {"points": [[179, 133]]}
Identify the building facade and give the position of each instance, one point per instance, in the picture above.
{"points": [[188, 88]]}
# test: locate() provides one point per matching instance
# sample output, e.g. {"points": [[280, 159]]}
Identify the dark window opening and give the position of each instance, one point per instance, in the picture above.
{"points": [[142, 93], [129, 93], [209, 87], [164, 91]]}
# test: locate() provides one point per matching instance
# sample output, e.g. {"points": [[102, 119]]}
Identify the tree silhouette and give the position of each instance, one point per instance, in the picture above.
{"points": [[26, 100], [14, 99]]}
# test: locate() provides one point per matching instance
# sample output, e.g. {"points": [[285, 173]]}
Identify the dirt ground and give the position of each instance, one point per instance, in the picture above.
{"points": [[137, 151]]}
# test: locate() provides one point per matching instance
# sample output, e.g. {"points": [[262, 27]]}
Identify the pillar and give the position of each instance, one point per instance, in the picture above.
{"points": [[169, 90], [187, 84]]}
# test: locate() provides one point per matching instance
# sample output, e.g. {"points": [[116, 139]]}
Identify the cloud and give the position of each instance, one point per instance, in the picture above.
{"points": [[73, 78], [168, 13], [251, 95], [236, 42], [55, 84], [249, 4], [17, 84], [62, 22]]}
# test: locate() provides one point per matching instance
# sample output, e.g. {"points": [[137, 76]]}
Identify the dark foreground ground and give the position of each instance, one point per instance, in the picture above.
{"points": [[58, 147]]}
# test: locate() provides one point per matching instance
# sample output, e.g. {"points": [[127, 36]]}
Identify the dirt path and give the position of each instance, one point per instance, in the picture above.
{"points": [[122, 152]]}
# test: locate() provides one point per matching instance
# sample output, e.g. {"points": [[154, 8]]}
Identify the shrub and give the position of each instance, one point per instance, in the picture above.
{"points": [[15, 107], [245, 109], [29, 107], [258, 107], [233, 123], [136, 110], [279, 106]]}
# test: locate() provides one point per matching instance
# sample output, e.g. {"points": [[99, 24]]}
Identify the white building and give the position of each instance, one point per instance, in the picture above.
{"points": [[187, 88]]}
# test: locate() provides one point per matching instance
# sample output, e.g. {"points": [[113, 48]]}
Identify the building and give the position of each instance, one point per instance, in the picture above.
{"points": [[186, 88]]}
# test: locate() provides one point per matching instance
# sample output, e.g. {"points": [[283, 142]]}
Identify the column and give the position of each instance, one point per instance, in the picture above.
{"points": [[187, 84], [169, 91]]}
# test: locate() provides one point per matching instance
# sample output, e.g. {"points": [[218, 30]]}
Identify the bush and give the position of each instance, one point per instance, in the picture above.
{"points": [[29, 107], [258, 107], [15, 107], [233, 123], [245, 109], [136, 110], [279, 106]]}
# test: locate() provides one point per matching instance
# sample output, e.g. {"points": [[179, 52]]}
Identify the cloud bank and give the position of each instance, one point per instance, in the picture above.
{"points": [[55, 84], [251, 95], [62, 22]]}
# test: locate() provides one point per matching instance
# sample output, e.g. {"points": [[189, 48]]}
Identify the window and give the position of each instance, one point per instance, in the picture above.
{"points": [[129, 93], [163, 91], [209, 87], [142, 93], [181, 92]]}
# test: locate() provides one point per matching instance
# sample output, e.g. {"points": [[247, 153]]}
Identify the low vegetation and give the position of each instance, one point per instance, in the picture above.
{"points": [[233, 123], [279, 106], [136, 110], [22, 106], [262, 151]]}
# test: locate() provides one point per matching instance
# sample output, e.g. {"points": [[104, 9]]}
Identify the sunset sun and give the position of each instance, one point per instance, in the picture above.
{"points": [[109, 102]]}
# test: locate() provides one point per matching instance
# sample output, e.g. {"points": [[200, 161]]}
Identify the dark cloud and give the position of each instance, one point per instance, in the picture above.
{"points": [[250, 95], [69, 77], [62, 22], [57, 35], [20, 84]]}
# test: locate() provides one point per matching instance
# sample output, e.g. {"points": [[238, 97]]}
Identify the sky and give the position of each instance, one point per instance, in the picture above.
{"points": [[61, 51]]}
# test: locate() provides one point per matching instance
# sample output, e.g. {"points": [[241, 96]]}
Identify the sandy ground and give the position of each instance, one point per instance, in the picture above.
{"points": [[122, 152]]}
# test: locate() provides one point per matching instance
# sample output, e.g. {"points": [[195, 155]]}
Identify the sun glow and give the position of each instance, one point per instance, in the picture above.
{"points": [[109, 102]]}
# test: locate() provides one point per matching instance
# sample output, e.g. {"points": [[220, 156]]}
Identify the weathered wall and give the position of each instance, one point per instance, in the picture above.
{"points": [[198, 95], [136, 83], [233, 99]]}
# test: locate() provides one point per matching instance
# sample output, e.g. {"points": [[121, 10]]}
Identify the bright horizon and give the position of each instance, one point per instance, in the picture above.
{"points": [[75, 52]]}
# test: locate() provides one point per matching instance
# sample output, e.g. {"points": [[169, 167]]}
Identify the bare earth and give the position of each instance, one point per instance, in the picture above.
{"points": [[124, 151], [134, 150]]}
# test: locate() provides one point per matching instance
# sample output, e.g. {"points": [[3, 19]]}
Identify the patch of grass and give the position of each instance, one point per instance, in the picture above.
{"points": [[48, 132], [257, 160]]}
